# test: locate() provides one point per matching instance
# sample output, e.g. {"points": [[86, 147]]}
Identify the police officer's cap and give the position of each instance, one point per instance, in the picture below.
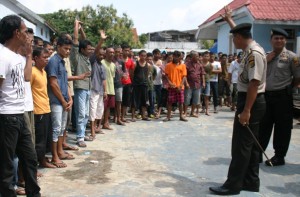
{"points": [[243, 28], [279, 32]]}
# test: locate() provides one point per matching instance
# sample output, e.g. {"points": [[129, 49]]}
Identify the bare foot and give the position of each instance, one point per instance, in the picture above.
{"points": [[39, 174], [47, 164]]}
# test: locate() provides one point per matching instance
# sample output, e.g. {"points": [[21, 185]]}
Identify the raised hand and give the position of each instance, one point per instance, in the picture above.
{"points": [[227, 15], [102, 34]]}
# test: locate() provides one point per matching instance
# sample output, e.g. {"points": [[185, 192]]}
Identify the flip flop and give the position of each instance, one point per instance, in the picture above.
{"points": [[59, 165], [20, 191], [120, 123], [88, 138], [68, 157], [81, 144], [167, 119], [183, 119], [69, 147]]}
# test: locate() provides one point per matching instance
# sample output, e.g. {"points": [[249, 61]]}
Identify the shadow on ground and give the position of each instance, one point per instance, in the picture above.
{"points": [[290, 188], [217, 161], [285, 170], [91, 172], [183, 186]]}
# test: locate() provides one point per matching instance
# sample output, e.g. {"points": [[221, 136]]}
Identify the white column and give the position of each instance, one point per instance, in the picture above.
{"points": [[298, 44]]}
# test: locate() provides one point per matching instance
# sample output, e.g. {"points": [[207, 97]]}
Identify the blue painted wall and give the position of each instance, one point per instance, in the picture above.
{"points": [[224, 35], [261, 34]]}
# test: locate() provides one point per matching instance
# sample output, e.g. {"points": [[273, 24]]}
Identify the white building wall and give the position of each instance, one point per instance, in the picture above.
{"points": [[173, 45], [4, 11]]}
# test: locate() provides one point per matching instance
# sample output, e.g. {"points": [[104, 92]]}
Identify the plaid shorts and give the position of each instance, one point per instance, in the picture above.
{"points": [[109, 102], [174, 96]]}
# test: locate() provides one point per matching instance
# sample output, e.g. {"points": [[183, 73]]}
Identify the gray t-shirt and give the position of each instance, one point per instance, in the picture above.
{"points": [[281, 70], [98, 75], [253, 66]]}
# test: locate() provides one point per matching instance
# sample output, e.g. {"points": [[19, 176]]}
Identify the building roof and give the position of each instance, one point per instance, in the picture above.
{"points": [[273, 10], [26, 13]]}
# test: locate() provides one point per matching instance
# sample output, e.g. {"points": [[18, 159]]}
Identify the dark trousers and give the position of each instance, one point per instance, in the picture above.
{"points": [[214, 89], [164, 97], [42, 129], [157, 90], [244, 166], [150, 108], [279, 114], [16, 138]]}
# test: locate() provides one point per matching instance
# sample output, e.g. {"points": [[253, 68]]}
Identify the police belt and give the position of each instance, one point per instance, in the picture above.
{"points": [[277, 92]]}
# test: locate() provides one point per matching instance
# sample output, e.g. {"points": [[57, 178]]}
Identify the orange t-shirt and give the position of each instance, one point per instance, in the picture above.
{"points": [[175, 73], [39, 91]]}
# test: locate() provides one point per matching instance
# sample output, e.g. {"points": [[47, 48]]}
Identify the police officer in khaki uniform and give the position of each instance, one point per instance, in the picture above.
{"points": [[244, 167], [283, 69]]}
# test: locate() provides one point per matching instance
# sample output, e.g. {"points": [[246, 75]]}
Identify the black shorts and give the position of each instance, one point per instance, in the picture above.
{"points": [[126, 97], [140, 96]]}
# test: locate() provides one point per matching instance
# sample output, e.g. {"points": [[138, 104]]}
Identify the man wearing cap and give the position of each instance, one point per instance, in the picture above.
{"points": [[283, 70], [244, 167]]}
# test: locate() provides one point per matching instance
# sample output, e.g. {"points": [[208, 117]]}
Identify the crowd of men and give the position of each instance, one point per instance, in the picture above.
{"points": [[45, 88]]}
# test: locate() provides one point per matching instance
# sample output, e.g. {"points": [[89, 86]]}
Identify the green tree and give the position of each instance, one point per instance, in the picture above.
{"points": [[206, 44], [143, 38], [117, 28]]}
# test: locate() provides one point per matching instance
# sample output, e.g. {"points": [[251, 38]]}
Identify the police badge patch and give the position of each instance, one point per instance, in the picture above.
{"points": [[251, 61]]}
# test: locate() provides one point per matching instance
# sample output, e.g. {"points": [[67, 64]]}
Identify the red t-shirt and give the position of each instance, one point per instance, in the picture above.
{"points": [[129, 65]]}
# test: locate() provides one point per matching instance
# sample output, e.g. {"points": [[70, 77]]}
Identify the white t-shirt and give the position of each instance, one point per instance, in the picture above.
{"points": [[158, 78], [12, 90], [234, 70], [216, 66]]}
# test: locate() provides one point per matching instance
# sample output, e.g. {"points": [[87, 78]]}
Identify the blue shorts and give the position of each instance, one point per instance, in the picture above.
{"points": [[206, 90], [192, 93]]}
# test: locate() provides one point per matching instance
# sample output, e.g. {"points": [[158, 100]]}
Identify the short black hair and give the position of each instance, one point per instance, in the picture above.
{"points": [[177, 53], [142, 51], [84, 43], [8, 25], [149, 55], [224, 55], [206, 52], [155, 51], [30, 30], [46, 43], [37, 39], [63, 40], [37, 51]]}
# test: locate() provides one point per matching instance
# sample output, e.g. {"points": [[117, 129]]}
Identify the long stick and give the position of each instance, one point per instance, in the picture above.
{"points": [[258, 144]]}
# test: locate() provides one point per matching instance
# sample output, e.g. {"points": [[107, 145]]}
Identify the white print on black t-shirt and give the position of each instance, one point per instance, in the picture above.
{"points": [[17, 75]]}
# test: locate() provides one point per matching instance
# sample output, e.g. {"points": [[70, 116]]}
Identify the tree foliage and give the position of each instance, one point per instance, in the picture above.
{"points": [[206, 44], [117, 28], [143, 39]]}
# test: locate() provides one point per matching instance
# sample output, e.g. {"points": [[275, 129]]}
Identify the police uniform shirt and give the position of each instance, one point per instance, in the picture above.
{"points": [[252, 66], [281, 70]]}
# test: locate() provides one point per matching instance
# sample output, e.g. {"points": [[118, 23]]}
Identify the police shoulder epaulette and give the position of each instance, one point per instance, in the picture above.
{"points": [[256, 51]]}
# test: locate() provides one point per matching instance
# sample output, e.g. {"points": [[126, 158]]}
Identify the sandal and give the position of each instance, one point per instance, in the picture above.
{"points": [[183, 119], [68, 157], [146, 119], [89, 138], [167, 119], [81, 144], [69, 147], [59, 165]]}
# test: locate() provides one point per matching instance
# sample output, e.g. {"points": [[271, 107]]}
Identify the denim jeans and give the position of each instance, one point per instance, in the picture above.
{"points": [[214, 88], [192, 94], [81, 103], [59, 121], [15, 138]]}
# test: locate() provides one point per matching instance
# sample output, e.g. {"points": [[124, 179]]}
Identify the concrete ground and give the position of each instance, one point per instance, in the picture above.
{"points": [[158, 158]]}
